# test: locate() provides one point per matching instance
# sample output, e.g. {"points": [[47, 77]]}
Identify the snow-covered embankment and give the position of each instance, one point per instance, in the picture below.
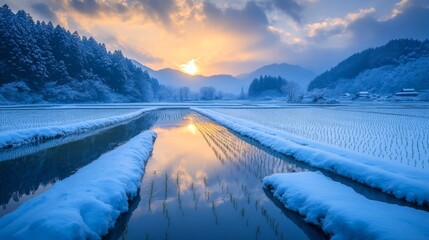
{"points": [[341, 212], [390, 177], [12, 139], [86, 204]]}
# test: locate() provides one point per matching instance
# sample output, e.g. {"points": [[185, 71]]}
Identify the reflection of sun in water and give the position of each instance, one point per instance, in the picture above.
{"points": [[192, 128], [190, 67]]}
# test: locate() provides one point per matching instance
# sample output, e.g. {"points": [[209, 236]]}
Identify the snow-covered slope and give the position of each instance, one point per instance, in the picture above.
{"points": [[385, 70], [392, 178], [390, 78], [39, 68], [86, 204], [341, 212]]}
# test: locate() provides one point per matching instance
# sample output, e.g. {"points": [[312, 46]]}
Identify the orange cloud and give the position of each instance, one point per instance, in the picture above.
{"points": [[231, 36]]}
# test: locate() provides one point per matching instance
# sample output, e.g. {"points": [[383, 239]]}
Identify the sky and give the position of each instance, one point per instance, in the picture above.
{"points": [[211, 37]]}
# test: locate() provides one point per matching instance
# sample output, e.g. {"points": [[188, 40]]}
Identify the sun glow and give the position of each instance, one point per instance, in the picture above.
{"points": [[192, 128], [190, 67]]}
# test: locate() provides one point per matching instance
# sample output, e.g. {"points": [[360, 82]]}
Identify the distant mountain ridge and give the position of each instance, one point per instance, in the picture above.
{"points": [[228, 83], [176, 78], [386, 69], [287, 71]]}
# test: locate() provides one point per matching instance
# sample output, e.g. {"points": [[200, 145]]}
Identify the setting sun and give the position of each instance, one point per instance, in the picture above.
{"points": [[190, 67]]}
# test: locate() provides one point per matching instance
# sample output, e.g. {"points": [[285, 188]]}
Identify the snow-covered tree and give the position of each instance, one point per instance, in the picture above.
{"points": [[184, 93], [207, 93], [36, 54]]}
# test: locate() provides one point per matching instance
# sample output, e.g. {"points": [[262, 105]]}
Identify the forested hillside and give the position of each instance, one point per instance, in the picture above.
{"points": [[266, 83], [40, 62], [398, 64]]}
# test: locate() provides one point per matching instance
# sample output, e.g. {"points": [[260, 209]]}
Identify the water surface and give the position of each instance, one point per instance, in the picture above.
{"points": [[31, 170], [204, 182]]}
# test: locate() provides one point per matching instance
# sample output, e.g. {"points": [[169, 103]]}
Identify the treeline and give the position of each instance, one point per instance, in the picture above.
{"points": [[269, 86], [183, 94], [395, 55], [41, 62], [265, 83]]}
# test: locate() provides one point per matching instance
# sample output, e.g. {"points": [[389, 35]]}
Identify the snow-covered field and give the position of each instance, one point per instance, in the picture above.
{"points": [[384, 147], [410, 184], [54, 130], [22, 119], [397, 134]]}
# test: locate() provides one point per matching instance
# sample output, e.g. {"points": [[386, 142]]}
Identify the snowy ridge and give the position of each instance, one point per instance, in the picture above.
{"points": [[390, 177], [13, 139], [86, 204], [341, 212]]}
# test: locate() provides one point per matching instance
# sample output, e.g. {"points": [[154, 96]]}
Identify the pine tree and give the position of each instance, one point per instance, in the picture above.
{"points": [[62, 66]]}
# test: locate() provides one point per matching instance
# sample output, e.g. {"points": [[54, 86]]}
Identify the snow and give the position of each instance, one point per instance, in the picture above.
{"points": [[36, 117], [393, 133], [86, 204], [388, 78], [16, 138], [390, 177], [341, 212]]}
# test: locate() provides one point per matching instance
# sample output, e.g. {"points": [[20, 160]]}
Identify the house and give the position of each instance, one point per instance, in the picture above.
{"points": [[407, 92], [362, 94]]}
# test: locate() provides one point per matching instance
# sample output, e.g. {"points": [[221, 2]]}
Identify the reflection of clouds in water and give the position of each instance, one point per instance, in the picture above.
{"points": [[185, 179], [221, 200], [182, 176], [192, 184], [157, 205], [200, 177]]}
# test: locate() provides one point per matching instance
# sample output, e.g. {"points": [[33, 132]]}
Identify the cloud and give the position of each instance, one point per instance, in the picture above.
{"points": [[334, 39], [159, 10], [335, 26], [232, 36], [168, 13], [403, 5], [290, 8], [248, 19], [44, 11], [408, 20], [410, 23], [362, 29], [249, 24], [86, 6]]}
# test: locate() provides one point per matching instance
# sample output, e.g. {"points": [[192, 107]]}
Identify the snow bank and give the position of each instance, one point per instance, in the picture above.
{"points": [[341, 212], [390, 177], [12, 139], [86, 204]]}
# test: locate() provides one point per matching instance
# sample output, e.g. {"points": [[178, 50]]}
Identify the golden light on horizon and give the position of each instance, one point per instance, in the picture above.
{"points": [[190, 67]]}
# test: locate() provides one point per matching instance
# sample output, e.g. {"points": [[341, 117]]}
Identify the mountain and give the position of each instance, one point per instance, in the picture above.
{"points": [[386, 69], [289, 72], [176, 78], [228, 83], [43, 63], [143, 67]]}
